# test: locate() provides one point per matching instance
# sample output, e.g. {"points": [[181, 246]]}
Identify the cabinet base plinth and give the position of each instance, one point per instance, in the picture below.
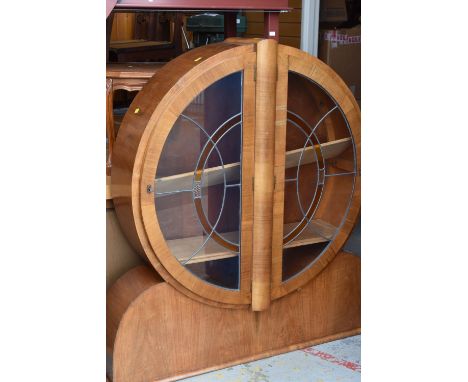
{"points": [[159, 334]]}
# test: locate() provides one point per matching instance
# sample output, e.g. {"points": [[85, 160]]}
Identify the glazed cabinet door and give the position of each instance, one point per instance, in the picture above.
{"points": [[316, 169], [196, 188]]}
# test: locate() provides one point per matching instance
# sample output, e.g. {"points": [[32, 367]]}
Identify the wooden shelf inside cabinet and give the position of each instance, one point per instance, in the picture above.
{"points": [[231, 171], [318, 231]]}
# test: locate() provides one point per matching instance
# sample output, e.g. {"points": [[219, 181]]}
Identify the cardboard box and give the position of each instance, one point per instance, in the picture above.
{"points": [[333, 11], [341, 50]]}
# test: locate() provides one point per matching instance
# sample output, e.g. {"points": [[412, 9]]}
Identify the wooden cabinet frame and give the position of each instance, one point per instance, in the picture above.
{"points": [[137, 150]]}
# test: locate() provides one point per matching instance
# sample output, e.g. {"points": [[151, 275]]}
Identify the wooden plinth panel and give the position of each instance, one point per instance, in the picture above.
{"points": [[164, 335]]}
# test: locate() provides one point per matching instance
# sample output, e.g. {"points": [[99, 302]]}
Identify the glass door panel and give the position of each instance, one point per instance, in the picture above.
{"points": [[319, 173], [198, 184]]}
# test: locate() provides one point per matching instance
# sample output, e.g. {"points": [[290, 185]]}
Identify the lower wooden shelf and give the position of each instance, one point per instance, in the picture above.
{"points": [[317, 231]]}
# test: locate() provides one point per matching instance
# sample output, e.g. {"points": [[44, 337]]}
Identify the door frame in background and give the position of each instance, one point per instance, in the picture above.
{"points": [[310, 26]]}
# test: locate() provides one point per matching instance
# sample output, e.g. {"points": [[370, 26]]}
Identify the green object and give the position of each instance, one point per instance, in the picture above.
{"points": [[208, 28], [213, 23]]}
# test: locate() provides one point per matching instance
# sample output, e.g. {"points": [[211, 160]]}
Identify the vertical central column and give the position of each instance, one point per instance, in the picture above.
{"points": [[264, 177]]}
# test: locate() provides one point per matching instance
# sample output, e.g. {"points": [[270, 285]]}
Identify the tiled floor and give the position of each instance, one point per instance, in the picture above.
{"points": [[338, 361]]}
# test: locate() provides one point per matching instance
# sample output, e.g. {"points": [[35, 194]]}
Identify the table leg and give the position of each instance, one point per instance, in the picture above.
{"points": [[109, 22], [230, 24], [109, 123], [271, 25]]}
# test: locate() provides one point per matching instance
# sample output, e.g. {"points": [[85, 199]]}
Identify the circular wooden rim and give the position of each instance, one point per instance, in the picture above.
{"points": [[191, 83], [175, 101], [314, 69]]}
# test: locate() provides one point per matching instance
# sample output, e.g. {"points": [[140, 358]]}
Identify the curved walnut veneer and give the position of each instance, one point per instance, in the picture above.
{"points": [[236, 171]]}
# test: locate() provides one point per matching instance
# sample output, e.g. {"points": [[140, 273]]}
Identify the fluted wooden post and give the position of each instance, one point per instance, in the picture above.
{"points": [[264, 178]]}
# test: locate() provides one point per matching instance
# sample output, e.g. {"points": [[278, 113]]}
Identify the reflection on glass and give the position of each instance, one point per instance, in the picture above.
{"points": [[198, 184], [319, 174]]}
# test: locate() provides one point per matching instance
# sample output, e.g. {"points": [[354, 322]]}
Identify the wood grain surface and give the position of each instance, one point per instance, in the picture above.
{"points": [[139, 145], [163, 335], [312, 68], [162, 331], [145, 129], [264, 180]]}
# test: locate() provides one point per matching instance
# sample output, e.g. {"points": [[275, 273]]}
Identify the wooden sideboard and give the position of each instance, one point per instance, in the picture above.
{"points": [[130, 77]]}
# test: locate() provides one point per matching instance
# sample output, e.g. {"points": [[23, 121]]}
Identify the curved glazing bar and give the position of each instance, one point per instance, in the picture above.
{"points": [[328, 143], [197, 185]]}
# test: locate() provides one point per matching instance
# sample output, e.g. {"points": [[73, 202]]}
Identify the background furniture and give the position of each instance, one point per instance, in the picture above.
{"points": [[157, 38], [121, 53], [130, 77], [271, 10], [208, 27]]}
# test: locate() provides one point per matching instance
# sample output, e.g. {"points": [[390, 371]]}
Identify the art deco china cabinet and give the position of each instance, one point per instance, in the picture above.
{"points": [[236, 174]]}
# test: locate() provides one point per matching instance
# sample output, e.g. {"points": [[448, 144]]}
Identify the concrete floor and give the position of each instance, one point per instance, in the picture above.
{"points": [[338, 361]]}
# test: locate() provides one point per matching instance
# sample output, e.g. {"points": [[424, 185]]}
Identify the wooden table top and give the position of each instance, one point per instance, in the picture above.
{"points": [[133, 70], [125, 44]]}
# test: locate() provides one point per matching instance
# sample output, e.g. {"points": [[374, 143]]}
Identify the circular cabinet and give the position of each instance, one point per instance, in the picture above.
{"points": [[236, 171]]}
